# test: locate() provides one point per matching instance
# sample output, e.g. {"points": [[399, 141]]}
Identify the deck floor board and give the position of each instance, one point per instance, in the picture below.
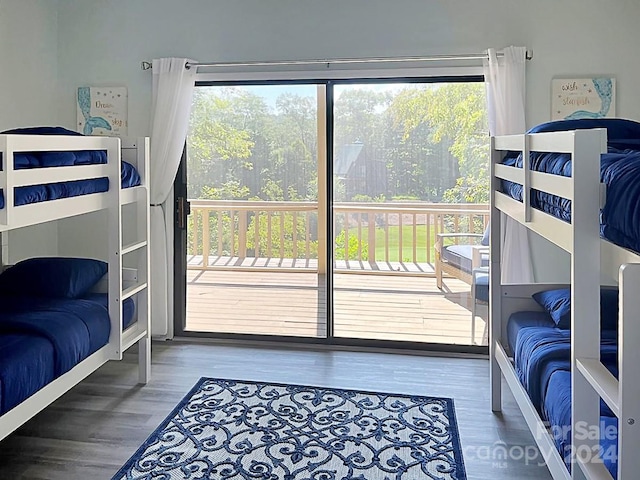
{"points": [[366, 306]]}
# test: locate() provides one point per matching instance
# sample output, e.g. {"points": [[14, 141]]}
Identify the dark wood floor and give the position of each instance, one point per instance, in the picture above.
{"points": [[92, 430]]}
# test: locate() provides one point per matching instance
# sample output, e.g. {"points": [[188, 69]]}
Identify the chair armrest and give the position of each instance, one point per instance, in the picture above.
{"points": [[476, 255], [476, 272], [440, 238], [459, 234]]}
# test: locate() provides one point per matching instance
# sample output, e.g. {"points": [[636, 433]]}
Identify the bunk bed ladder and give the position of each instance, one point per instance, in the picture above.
{"points": [[132, 257], [137, 253]]}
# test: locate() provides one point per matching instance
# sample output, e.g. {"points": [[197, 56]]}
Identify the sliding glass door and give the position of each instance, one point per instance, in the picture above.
{"points": [[315, 209]]}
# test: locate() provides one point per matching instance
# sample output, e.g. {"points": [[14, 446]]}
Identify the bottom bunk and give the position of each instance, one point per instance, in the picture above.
{"points": [[541, 359], [54, 331], [42, 339]]}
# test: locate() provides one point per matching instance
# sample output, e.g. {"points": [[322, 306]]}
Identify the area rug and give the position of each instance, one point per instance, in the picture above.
{"points": [[231, 429]]}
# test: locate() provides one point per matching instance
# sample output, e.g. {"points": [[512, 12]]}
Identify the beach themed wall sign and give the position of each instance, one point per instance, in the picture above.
{"points": [[102, 111], [573, 98]]}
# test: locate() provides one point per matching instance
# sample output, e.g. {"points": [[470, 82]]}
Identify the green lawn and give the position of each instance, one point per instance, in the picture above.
{"points": [[394, 242]]}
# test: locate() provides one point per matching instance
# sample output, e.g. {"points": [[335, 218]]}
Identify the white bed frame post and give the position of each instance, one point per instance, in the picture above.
{"points": [[144, 230], [6, 180], [585, 301], [495, 286], [115, 248], [144, 260], [629, 373]]}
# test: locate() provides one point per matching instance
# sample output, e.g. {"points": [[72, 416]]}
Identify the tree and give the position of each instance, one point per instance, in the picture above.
{"points": [[455, 114], [294, 145], [219, 146], [358, 116]]}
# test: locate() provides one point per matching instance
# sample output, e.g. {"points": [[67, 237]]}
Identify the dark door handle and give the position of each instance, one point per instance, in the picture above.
{"points": [[183, 211]]}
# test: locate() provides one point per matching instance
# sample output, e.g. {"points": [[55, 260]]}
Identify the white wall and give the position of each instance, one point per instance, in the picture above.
{"points": [[104, 42], [28, 92], [28, 63]]}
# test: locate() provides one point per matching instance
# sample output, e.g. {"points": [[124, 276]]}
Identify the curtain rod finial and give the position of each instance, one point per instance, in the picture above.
{"points": [[146, 65]]}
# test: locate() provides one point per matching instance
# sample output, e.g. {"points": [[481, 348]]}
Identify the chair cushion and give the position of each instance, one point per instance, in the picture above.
{"points": [[482, 286], [461, 255]]}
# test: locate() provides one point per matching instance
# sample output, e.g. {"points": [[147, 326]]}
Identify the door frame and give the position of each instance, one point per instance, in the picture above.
{"points": [[326, 127]]}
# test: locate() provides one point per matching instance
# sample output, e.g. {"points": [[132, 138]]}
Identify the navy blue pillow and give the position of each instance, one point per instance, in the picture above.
{"points": [[41, 131], [54, 159], [558, 304], [617, 128], [52, 277]]}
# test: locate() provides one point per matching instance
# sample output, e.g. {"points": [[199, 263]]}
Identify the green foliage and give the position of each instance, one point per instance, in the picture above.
{"points": [[275, 234], [272, 191], [231, 190], [195, 229], [352, 248], [218, 144], [455, 116], [428, 136], [468, 190], [429, 143], [405, 198]]}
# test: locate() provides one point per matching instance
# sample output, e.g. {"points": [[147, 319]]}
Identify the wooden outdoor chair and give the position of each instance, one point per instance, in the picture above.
{"points": [[459, 260]]}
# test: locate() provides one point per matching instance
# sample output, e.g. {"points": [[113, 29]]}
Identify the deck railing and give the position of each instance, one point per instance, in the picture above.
{"points": [[238, 234]]}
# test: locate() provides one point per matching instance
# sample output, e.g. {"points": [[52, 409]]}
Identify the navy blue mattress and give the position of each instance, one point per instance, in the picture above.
{"points": [[54, 191], [43, 338], [542, 360], [540, 349], [619, 170], [557, 410]]}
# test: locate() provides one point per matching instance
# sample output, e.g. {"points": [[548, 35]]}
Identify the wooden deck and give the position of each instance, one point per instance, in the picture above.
{"points": [[385, 307]]}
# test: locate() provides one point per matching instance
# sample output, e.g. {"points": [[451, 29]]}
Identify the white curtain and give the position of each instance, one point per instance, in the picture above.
{"points": [[173, 86], [505, 80]]}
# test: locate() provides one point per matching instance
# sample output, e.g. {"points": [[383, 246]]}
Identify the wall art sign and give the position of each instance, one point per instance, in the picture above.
{"points": [[573, 98], [102, 111]]}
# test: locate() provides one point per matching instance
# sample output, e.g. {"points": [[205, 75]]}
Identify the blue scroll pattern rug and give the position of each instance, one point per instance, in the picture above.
{"points": [[228, 429]]}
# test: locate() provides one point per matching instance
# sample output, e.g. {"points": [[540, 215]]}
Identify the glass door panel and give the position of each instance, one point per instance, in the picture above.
{"points": [[410, 162], [253, 231]]}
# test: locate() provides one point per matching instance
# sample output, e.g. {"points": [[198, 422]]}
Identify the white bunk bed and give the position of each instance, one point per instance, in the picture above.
{"points": [[120, 282], [592, 259]]}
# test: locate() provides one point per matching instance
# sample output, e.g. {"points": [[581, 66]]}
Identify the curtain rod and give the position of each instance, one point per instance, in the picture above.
{"points": [[341, 61]]}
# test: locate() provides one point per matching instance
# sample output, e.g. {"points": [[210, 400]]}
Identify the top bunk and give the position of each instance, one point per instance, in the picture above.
{"points": [[582, 182], [49, 173]]}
